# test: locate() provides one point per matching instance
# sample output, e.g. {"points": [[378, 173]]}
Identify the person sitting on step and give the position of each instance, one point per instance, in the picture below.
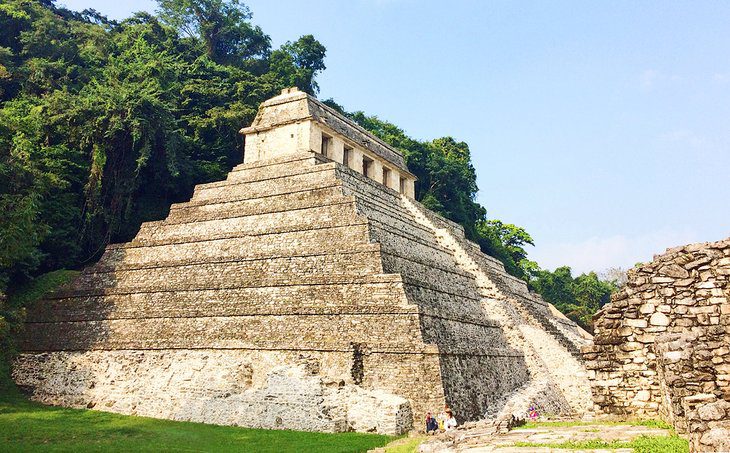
{"points": [[450, 422], [431, 424]]}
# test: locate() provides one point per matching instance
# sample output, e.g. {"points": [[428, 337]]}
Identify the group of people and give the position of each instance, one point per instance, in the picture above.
{"points": [[444, 421]]}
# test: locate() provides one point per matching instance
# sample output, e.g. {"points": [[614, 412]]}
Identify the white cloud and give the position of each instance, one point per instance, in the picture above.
{"points": [[721, 77], [650, 78], [600, 253], [684, 137]]}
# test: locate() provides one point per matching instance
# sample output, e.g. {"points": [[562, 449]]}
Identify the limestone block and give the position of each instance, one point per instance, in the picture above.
{"points": [[707, 285], [673, 270], [647, 309], [713, 411], [659, 319], [378, 411], [642, 395], [625, 331], [640, 323], [685, 301], [717, 439]]}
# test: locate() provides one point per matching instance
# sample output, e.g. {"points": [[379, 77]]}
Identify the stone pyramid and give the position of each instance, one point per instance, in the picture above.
{"points": [[308, 291]]}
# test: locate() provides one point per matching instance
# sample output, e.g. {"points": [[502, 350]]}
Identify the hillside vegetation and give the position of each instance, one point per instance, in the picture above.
{"points": [[104, 124]]}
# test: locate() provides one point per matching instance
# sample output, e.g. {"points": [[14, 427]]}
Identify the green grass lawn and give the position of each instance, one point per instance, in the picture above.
{"points": [[405, 445], [547, 424], [642, 444], [27, 426]]}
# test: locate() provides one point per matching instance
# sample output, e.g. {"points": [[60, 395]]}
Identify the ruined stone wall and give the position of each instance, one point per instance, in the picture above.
{"points": [[665, 337], [295, 294], [708, 422]]}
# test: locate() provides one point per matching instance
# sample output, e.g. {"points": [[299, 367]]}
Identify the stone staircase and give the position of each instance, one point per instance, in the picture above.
{"points": [[551, 357], [550, 327]]}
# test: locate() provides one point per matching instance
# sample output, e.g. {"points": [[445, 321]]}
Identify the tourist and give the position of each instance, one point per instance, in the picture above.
{"points": [[431, 424], [442, 417], [450, 422]]}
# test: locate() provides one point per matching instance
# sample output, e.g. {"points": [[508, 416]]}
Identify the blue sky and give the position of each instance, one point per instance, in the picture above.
{"points": [[603, 128]]}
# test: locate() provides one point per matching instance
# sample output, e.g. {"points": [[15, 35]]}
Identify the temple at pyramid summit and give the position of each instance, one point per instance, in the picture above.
{"points": [[308, 291]]}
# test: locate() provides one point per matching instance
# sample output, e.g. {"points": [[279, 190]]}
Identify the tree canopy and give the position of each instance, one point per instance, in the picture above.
{"points": [[104, 124], [222, 26], [579, 298]]}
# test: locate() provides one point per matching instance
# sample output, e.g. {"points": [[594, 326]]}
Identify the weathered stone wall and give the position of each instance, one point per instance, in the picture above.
{"points": [[258, 389], [296, 294], [665, 337], [708, 422]]}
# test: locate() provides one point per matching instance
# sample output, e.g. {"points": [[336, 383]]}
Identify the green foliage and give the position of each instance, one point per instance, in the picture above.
{"points": [[507, 243], [299, 62], [642, 444], [35, 289], [221, 25], [578, 298], [405, 445], [650, 423], [26, 426], [103, 125]]}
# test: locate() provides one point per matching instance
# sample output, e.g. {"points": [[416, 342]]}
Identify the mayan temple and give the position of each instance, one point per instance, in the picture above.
{"points": [[309, 291]]}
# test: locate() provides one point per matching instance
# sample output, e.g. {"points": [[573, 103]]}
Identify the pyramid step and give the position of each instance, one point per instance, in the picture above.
{"points": [[282, 170], [397, 219], [309, 178], [305, 269], [237, 249], [400, 243], [334, 332], [341, 214], [279, 160], [474, 336], [370, 294], [298, 165], [185, 213], [424, 273]]}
